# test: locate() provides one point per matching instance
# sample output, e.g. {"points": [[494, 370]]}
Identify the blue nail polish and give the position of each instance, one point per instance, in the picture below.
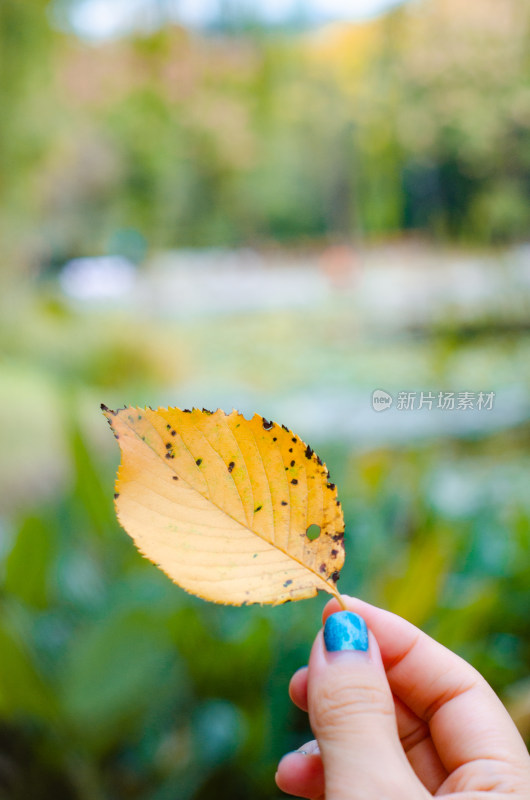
{"points": [[345, 631]]}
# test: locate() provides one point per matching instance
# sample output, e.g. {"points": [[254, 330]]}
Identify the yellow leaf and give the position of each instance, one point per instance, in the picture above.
{"points": [[233, 510]]}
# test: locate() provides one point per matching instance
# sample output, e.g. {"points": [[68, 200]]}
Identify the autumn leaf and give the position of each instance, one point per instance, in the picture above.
{"points": [[233, 510]]}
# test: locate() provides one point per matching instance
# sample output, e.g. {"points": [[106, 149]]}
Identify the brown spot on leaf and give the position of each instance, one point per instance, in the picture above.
{"points": [[285, 428], [322, 568], [309, 452], [335, 576], [173, 433], [168, 446], [319, 460], [284, 502], [267, 424], [292, 463], [103, 407], [294, 481], [175, 477], [334, 553], [331, 485], [116, 495]]}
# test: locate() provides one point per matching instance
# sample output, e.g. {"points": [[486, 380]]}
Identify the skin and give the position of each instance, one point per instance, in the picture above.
{"points": [[408, 720]]}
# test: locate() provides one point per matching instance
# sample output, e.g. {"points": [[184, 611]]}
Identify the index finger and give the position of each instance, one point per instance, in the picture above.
{"points": [[467, 720]]}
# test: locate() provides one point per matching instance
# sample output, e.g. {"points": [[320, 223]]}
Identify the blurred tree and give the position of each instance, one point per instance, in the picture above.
{"points": [[26, 131]]}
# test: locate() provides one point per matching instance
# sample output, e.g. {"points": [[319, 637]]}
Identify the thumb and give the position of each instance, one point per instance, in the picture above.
{"points": [[352, 715]]}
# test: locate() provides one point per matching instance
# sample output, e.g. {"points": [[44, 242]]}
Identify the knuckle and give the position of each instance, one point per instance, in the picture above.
{"points": [[338, 702]]}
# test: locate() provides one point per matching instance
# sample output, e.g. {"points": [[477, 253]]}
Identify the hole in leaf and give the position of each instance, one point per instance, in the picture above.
{"points": [[313, 532]]}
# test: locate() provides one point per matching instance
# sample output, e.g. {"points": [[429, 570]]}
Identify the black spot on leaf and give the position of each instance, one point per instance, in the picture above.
{"points": [[231, 466], [199, 462], [287, 583], [309, 452], [335, 576], [258, 508], [292, 463], [294, 481], [267, 424]]}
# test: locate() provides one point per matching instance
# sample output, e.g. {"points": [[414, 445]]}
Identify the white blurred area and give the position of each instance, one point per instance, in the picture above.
{"points": [[98, 20], [388, 288], [98, 278]]}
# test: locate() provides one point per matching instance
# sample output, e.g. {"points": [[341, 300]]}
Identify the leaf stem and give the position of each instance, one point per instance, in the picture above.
{"points": [[338, 596]]}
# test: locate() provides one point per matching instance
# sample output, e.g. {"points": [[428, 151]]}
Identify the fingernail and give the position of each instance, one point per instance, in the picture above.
{"points": [[345, 631]]}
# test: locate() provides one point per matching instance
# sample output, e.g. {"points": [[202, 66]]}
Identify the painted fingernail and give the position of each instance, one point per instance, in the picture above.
{"points": [[345, 631]]}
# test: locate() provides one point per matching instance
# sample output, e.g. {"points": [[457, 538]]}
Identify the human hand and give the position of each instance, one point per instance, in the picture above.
{"points": [[402, 719]]}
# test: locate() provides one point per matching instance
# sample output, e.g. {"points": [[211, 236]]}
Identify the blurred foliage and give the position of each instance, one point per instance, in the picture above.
{"points": [[418, 120]]}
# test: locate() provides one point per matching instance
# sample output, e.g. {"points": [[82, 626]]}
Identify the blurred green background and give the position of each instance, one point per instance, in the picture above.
{"points": [[280, 214]]}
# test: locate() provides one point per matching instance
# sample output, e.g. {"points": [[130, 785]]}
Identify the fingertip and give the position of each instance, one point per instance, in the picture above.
{"points": [[298, 688], [331, 607], [301, 773]]}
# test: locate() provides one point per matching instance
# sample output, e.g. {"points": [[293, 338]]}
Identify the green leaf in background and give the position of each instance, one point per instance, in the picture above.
{"points": [[22, 691], [425, 569], [28, 564], [112, 670]]}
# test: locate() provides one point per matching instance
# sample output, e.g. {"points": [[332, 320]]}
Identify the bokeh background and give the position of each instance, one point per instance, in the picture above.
{"points": [[278, 207]]}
